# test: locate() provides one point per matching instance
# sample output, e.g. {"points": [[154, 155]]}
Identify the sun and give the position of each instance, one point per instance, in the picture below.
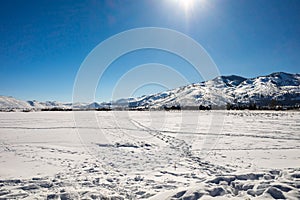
{"points": [[188, 8], [186, 4]]}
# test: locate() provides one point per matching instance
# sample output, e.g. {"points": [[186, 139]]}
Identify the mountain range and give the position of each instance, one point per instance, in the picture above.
{"points": [[276, 89]]}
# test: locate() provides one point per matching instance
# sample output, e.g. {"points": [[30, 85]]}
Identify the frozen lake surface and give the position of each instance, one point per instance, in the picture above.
{"points": [[150, 155]]}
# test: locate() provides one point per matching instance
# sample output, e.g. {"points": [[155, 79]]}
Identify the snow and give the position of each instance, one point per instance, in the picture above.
{"points": [[10, 102], [150, 155], [282, 87]]}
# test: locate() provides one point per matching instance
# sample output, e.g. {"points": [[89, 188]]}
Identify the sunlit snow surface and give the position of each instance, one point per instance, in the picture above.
{"points": [[155, 155]]}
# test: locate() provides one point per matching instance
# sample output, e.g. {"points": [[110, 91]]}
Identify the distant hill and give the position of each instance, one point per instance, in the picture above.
{"points": [[278, 89]]}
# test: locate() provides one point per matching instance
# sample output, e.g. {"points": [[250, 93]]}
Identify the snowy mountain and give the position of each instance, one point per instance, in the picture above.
{"points": [[275, 89], [10, 102], [272, 90]]}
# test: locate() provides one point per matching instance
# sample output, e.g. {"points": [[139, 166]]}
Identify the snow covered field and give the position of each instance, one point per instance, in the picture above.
{"points": [[150, 155]]}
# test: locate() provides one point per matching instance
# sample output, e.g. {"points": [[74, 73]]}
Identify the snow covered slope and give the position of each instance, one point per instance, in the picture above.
{"points": [[277, 88], [10, 103]]}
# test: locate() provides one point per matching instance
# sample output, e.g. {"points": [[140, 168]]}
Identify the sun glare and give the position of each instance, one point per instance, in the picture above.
{"points": [[186, 4], [188, 7]]}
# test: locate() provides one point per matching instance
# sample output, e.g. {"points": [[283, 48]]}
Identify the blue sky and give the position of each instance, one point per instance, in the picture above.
{"points": [[43, 43]]}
